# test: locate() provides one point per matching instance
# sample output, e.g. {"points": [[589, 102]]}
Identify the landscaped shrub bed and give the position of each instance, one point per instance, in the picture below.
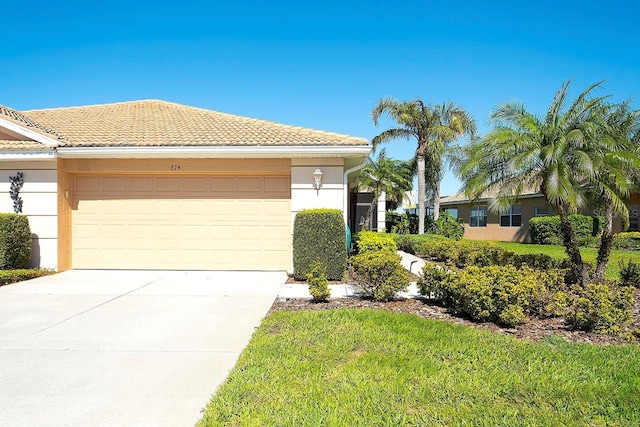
{"points": [[12, 276], [379, 274], [627, 241], [446, 225], [545, 230], [368, 241], [319, 235], [411, 242]]}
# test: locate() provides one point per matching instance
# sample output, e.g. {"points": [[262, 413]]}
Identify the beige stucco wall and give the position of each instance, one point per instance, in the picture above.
{"points": [[493, 230], [39, 204]]}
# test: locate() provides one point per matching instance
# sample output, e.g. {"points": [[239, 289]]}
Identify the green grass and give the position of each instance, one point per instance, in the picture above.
{"points": [[588, 254], [359, 367]]}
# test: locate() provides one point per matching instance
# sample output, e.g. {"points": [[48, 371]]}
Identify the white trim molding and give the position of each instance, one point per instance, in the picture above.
{"points": [[6, 156], [145, 152]]}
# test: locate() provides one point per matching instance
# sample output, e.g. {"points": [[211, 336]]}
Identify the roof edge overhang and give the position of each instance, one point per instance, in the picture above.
{"points": [[28, 133], [486, 199], [6, 156], [147, 152]]}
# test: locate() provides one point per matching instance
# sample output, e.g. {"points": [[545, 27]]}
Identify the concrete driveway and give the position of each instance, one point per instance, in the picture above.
{"points": [[130, 348]]}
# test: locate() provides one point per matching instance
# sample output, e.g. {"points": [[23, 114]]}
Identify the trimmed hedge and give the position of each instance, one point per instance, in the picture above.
{"points": [[629, 241], [319, 235], [502, 294], [12, 276], [545, 230], [410, 243], [15, 241], [368, 241], [380, 274]]}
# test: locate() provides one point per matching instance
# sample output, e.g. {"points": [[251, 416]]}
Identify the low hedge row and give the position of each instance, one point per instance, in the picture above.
{"points": [[509, 295], [629, 241], [545, 230], [12, 276], [368, 241], [411, 243]]}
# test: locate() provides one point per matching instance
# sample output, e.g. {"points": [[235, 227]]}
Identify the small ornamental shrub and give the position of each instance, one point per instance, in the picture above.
{"points": [[627, 241], [433, 279], [15, 241], [319, 235], [318, 282], [380, 274], [409, 242], [369, 241], [535, 261], [629, 274], [602, 308], [448, 226], [545, 230]]}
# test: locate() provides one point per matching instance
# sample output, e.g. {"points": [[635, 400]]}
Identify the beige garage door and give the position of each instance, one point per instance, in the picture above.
{"points": [[181, 222]]}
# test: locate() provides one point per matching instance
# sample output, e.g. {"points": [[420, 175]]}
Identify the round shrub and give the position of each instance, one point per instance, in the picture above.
{"points": [[602, 308], [629, 274], [319, 235], [15, 241], [369, 241], [380, 274], [545, 230]]}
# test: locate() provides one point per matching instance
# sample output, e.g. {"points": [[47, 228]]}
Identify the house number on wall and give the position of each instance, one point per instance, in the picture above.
{"points": [[175, 167]]}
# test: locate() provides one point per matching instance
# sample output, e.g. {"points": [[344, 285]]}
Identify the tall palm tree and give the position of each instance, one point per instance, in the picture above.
{"points": [[383, 174], [434, 128], [558, 154], [613, 180]]}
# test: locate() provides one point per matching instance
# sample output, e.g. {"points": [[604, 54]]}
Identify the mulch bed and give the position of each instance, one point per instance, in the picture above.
{"points": [[534, 330]]}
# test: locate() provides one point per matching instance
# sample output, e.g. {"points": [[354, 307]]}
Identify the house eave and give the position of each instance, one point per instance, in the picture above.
{"points": [[484, 200], [211, 152], [28, 133], [6, 156]]}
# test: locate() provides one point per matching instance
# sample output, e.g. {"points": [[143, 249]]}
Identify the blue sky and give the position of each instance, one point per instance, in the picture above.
{"points": [[321, 65]]}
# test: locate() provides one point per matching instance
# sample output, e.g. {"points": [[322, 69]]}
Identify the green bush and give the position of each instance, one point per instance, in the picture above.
{"points": [[448, 226], [503, 294], [410, 242], [627, 241], [15, 241], [545, 230], [535, 261], [12, 276], [395, 222], [318, 282], [629, 274], [369, 241], [463, 252], [319, 235], [380, 274], [603, 308]]}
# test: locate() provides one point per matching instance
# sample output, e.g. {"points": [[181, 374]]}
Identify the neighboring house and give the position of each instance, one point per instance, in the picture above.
{"points": [[481, 224], [157, 185]]}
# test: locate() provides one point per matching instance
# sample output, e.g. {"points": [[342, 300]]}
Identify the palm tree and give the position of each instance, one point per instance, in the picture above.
{"points": [[620, 130], [391, 176], [558, 154], [434, 128]]}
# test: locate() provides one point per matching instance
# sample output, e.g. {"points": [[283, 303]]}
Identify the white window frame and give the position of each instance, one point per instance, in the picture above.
{"points": [[514, 211], [479, 209]]}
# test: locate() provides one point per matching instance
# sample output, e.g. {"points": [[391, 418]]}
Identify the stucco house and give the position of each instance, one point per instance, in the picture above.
{"points": [[482, 224], [157, 185]]}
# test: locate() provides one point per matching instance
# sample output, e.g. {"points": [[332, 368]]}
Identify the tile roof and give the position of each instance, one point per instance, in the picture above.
{"points": [[460, 198], [22, 119], [11, 145], [161, 123]]}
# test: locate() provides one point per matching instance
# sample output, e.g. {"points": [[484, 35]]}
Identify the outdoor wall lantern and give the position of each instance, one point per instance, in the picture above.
{"points": [[317, 179]]}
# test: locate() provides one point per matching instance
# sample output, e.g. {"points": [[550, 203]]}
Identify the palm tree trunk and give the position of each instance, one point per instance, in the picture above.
{"points": [[367, 219], [578, 268], [606, 242], [421, 193], [436, 200]]}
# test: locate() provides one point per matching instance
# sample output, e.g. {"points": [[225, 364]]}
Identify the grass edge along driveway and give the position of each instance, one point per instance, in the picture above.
{"points": [[362, 367]]}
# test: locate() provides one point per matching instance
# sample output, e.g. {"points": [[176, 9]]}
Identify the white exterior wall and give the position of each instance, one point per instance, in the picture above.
{"points": [[40, 204], [382, 209], [303, 193]]}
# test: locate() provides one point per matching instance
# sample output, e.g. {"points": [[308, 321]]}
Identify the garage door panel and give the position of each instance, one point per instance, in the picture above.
{"points": [[182, 222]]}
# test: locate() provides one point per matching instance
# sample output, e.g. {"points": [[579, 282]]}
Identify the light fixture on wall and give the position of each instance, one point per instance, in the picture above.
{"points": [[317, 179]]}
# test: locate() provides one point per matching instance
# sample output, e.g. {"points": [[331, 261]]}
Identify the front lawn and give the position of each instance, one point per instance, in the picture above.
{"points": [[361, 367], [588, 254]]}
